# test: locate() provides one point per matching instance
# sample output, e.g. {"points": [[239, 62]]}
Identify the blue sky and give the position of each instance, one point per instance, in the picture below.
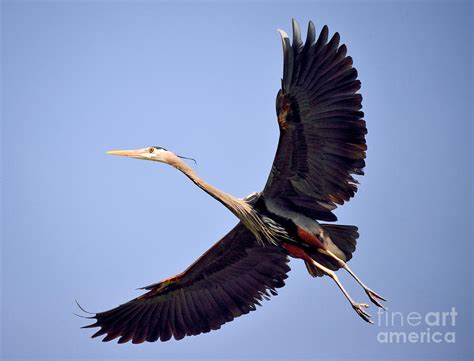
{"points": [[81, 78]]}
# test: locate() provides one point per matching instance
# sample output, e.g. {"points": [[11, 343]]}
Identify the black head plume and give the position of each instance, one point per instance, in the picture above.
{"points": [[194, 160]]}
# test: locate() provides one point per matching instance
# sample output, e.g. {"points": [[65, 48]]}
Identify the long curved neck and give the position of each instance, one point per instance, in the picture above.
{"points": [[241, 209], [235, 205]]}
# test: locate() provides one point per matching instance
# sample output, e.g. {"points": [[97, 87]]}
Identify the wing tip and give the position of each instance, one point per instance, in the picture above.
{"points": [[310, 34], [283, 34], [296, 32]]}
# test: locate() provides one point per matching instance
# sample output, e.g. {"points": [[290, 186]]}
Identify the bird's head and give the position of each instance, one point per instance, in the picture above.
{"points": [[157, 154]]}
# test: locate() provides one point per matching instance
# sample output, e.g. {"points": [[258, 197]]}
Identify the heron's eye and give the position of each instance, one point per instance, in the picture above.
{"points": [[151, 150]]}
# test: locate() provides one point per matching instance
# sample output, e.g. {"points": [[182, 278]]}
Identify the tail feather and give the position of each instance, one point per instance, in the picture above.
{"points": [[345, 238]]}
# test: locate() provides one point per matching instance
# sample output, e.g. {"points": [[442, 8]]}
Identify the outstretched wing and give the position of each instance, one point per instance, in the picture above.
{"points": [[227, 281], [322, 133]]}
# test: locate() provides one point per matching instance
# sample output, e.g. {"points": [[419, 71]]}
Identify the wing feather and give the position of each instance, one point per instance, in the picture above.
{"points": [[322, 133], [227, 281]]}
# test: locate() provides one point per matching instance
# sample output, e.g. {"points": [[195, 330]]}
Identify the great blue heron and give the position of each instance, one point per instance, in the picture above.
{"points": [[322, 144]]}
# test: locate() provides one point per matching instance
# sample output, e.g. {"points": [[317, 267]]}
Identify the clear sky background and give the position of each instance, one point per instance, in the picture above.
{"points": [[80, 78]]}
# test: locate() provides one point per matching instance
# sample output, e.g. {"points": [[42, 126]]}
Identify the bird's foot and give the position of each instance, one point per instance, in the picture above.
{"points": [[375, 298], [359, 308]]}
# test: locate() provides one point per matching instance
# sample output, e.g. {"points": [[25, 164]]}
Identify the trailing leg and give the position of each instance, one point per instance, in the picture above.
{"points": [[358, 307], [373, 296]]}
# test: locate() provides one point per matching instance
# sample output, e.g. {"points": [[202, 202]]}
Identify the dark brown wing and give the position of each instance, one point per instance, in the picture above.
{"points": [[227, 281], [322, 133]]}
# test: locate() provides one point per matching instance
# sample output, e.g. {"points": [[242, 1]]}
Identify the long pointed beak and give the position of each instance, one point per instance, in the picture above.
{"points": [[128, 153]]}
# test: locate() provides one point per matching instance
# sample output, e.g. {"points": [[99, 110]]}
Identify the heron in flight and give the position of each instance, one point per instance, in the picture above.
{"points": [[321, 147]]}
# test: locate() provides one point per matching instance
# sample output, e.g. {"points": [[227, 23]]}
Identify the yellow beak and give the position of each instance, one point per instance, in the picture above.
{"points": [[128, 153]]}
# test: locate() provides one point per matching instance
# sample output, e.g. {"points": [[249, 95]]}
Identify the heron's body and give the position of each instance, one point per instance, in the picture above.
{"points": [[321, 146]]}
